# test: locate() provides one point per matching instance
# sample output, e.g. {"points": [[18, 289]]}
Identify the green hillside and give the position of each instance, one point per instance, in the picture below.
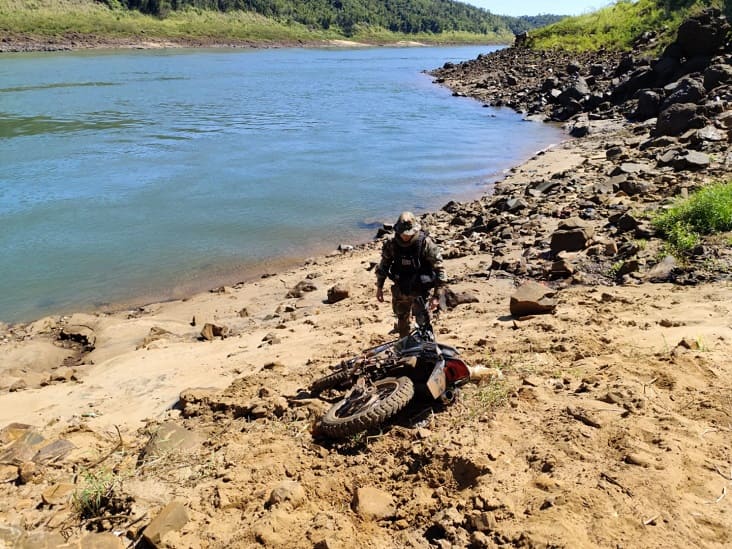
{"points": [[618, 26], [260, 21]]}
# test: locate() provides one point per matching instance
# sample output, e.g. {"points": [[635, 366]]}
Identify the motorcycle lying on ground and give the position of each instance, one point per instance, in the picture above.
{"points": [[381, 381]]}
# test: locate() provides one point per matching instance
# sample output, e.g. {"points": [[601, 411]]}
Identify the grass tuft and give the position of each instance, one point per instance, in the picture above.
{"points": [[705, 212]]}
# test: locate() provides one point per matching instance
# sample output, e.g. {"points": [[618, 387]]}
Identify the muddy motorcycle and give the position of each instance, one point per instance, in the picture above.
{"points": [[382, 380]]}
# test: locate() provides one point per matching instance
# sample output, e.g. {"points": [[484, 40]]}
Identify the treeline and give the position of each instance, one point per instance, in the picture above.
{"points": [[402, 16], [527, 22]]}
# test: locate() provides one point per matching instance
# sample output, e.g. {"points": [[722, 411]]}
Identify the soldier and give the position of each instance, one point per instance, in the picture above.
{"points": [[414, 262]]}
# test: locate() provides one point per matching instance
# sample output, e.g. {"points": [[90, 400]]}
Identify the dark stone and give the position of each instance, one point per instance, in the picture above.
{"points": [[717, 74], [689, 90], [691, 160], [649, 104], [678, 118], [701, 35]]}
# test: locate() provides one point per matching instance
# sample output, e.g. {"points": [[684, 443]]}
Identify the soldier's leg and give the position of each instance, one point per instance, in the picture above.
{"points": [[401, 304]]}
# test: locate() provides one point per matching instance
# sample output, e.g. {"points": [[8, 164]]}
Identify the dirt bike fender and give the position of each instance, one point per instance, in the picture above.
{"points": [[437, 382]]}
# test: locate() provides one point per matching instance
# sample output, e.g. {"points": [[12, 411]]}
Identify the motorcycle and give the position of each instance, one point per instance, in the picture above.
{"points": [[382, 380]]}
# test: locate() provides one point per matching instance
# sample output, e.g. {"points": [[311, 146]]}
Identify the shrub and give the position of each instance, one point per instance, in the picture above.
{"points": [[705, 212]]}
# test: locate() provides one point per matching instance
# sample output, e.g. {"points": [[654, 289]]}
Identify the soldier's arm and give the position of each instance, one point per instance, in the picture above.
{"points": [[387, 257], [433, 255]]}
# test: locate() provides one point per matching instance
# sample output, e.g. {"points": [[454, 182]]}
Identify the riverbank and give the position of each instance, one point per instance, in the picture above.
{"points": [[603, 424]]}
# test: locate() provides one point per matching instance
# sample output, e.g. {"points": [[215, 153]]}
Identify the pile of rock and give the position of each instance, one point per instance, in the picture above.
{"points": [[661, 129]]}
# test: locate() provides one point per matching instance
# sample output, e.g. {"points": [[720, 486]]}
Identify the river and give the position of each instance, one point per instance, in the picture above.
{"points": [[136, 176]]}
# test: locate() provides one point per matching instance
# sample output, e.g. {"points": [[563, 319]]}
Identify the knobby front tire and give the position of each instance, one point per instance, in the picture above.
{"points": [[349, 416]]}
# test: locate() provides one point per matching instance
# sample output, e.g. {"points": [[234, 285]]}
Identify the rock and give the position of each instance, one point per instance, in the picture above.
{"points": [[102, 540], [701, 35], [28, 472], [649, 104], [573, 234], [8, 473], [9, 535], [717, 74], [453, 299], [691, 160], [632, 187], [338, 293], [629, 168], [212, 331], [79, 334], [24, 447], [678, 118], [172, 518], [373, 504], [18, 385], [688, 90], [43, 540], [301, 288], [167, 438], [53, 452], [532, 298], [58, 494], [287, 491]]}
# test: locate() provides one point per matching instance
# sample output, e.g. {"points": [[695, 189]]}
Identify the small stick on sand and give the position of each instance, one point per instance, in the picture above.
{"points": [[720, 498], [650, 520]]}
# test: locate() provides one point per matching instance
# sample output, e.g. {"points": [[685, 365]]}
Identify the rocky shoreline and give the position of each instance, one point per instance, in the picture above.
{"points": [[661, 128], [187, 424]]}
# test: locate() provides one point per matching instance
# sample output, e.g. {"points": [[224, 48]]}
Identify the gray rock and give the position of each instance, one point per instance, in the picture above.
{"points": [[630, 168], [663, 271], [691, 160]]}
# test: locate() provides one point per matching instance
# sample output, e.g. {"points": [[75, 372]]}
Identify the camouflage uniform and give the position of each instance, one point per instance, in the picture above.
{"points": [[409, 263]]}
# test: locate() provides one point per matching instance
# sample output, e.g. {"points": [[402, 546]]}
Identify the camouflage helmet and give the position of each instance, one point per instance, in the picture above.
{"points": [[407, 224]]}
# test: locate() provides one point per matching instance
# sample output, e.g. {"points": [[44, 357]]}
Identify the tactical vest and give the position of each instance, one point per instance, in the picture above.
{"points": [[412, 274]]}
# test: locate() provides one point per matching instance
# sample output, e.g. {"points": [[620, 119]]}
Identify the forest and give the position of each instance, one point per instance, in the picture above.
{"points": [[399, 16]]}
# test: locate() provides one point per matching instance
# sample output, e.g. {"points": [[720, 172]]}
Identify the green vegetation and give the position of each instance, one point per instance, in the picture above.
{"points": [[705, 212], [255, 21], [93, 496], [616, 27]]}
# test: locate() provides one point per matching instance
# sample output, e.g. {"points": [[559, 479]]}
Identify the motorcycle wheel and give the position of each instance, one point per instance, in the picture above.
{"points": [[331, 381], [360, 413]]}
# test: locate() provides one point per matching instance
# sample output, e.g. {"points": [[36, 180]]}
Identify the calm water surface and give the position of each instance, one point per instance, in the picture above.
{"points": [[132, 176]]}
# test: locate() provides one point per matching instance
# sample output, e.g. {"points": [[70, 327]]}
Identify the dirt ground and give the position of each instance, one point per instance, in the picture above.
{"points": [[605, 424]]}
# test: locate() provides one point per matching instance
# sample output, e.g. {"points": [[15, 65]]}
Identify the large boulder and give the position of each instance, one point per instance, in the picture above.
{"points": [[532, 298], [573, 234], [687, 90], [649, 103], [702, 35], [679, 118]]}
